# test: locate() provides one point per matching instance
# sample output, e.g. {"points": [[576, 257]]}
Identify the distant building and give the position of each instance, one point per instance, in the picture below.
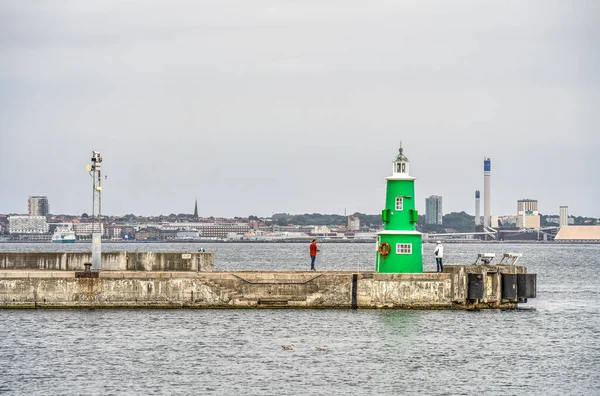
{"points": [[527, 213], [288, 228], [353, 223], [321, 230], [148, 233], [117, 231], [563, 214], [38, 206], [27, 225], [528, 221], [433, 210], [85, 229], [578, 233], [218, 230], [168, 235], [527, 205], [188, 234]]}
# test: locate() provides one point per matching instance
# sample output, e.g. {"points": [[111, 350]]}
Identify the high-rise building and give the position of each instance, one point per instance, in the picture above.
{"points": [[38, 206], [563, 213], [433, 210], [353, 223], [487, 175]]}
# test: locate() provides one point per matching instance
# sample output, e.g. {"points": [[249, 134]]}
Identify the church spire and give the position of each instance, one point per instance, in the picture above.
{"points": [[196, 210]]}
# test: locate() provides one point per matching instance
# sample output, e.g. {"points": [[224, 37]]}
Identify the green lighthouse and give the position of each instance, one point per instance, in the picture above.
{"points": [[399, 245]]}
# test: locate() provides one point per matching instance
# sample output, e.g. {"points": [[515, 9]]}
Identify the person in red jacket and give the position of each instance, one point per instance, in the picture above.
{"points": [[313, 254]]}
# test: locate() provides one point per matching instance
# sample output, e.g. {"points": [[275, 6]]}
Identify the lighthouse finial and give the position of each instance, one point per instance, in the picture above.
{"points": [[400, 147]]}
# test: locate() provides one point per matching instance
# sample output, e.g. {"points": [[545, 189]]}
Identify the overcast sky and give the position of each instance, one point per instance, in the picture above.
{"points": [[257, 107]]}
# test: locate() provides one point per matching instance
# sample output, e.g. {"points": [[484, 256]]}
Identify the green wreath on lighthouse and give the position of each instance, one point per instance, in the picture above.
{"points": [[399, 245]]}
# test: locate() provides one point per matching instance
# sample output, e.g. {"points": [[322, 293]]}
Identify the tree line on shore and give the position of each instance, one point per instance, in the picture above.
{"points": [[451, 222], [459, 222]]}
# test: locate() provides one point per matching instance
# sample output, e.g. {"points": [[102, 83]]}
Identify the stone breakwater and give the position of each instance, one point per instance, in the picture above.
{"points": [[459, 287], [116, 261]]}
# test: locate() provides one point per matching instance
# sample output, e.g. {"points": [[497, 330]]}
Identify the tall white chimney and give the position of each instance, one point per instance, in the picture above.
{"points": [[477, 208]]}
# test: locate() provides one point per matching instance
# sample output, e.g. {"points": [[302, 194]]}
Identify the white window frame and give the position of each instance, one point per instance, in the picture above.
{"points": [[403, 248], [401, 201]]}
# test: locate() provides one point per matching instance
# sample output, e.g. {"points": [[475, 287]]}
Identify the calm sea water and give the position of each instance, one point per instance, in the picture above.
{"points": [[550, 348]]}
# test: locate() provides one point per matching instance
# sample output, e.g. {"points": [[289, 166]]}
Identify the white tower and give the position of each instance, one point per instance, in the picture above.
{"points": [[487, 175]]}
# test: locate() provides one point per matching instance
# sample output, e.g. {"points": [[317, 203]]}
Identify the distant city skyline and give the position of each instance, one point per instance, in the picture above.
{"points": [[194, 213], [266, 107]]}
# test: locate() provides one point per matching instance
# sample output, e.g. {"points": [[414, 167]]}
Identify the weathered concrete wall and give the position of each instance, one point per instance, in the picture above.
{"points": [[246, 289], [409, 290], [118, 261]]}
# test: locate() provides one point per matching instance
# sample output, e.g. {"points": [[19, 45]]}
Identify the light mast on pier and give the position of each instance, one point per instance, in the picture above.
{"points": [[94, 171]]}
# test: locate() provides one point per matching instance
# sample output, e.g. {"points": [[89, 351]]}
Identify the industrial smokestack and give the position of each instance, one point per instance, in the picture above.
{"points": [[487, 175], [477, 208]]}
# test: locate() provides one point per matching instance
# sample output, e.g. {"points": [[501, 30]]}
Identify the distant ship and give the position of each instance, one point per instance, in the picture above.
{"points": [[63, 235]]}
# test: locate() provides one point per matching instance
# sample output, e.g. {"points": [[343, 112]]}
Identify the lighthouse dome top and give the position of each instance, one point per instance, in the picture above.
{"points": [[401, 157]]}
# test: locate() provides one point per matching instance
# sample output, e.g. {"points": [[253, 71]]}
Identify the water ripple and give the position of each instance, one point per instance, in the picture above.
{"points": [[552, 349]]}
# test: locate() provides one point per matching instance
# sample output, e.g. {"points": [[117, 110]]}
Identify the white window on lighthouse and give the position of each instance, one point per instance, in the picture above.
{"points": [[399, 203], [401, 167], [403, 248]]}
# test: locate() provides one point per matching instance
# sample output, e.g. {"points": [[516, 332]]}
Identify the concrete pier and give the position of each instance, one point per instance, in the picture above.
{"points": [[116, 261], [262, 289]]}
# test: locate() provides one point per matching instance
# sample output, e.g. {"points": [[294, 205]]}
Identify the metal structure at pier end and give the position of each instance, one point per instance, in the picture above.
{"points": [[399, 245], [95, 172]]}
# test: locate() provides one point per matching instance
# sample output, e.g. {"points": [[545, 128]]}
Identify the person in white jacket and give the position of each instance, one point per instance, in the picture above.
{"points": [[439, 255]]}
